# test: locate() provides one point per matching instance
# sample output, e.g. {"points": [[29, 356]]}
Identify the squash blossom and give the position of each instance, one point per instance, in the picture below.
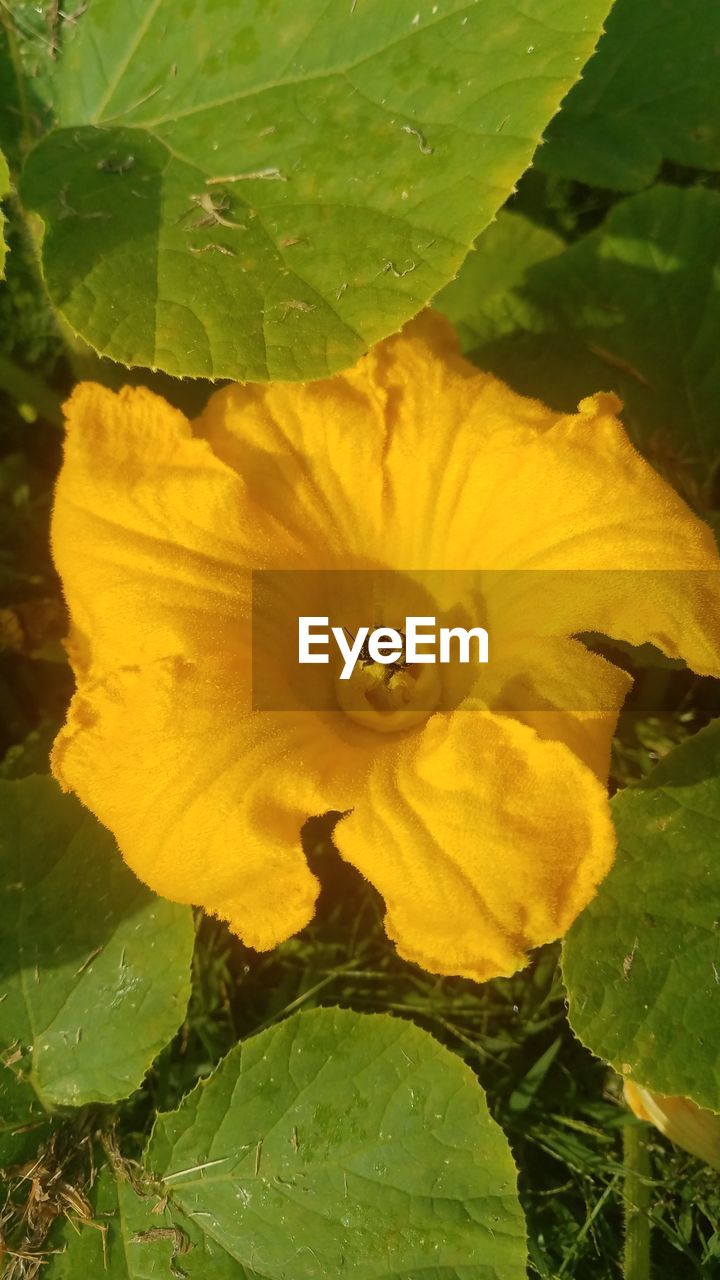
{"points": [[679, 1119], [479, 814]]}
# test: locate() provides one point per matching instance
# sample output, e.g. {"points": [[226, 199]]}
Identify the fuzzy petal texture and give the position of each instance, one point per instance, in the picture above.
{"points": [[146, 532], [563, 691], [485, 826], [206, 799], [416, 460], [483, 839]]}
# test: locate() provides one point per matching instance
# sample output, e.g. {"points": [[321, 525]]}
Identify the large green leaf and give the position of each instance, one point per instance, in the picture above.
{"points": [[633, 307], [261, 189], [335, 1144], [523, 336], [94, 969], [481, 301], [651, 93], [642, 962], [140, 1243]]}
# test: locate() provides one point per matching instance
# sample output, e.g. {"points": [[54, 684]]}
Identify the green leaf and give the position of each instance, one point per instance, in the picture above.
{"points": [[520, 331], [270, 207], [142, 1241], [342, 1144], [30, 36], [480, 301], [633, 307], [94, 969], [332, 1144], [651, 93], [642, 962], [24, 1123]]}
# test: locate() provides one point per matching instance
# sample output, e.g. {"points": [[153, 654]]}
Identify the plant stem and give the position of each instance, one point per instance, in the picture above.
{"points": [[25, 388], [636, 1262]]}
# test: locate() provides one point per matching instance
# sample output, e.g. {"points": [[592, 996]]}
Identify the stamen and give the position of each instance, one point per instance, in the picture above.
{"points": [[389, 697]]}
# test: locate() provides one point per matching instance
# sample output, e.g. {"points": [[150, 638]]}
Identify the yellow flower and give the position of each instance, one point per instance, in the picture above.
{"points": [[681, 1120], [482, 818]]}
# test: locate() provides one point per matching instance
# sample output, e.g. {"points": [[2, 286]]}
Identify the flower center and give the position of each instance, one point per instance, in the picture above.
{"points": [[389, 697]]}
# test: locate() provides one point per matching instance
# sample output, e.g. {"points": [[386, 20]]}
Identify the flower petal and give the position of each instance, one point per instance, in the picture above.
{"points": [[415, 460], [147, 534], [600, 542], [681, 1120], [367, 469], [563, 691], [485, 833], [484, 840], [206, 803]]}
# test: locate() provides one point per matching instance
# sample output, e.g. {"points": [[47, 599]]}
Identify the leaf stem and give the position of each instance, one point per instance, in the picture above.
{"points": [[636, 1158]]}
